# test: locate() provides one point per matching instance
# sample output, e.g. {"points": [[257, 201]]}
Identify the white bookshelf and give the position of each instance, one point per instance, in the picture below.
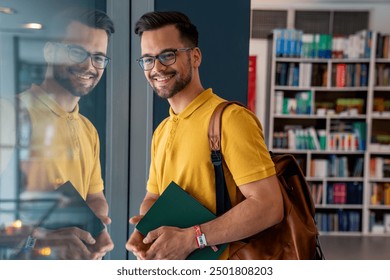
{"points": [[374, 123]]}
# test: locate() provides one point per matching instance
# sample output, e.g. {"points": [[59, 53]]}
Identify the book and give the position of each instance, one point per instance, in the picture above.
{"points": [[177, 208], [252, 83], [76, 205], [61, 208], [340, 78]]}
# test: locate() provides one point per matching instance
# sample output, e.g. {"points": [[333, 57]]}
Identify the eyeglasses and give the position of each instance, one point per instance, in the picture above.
{"points": [[78, 54], [166, 58]]}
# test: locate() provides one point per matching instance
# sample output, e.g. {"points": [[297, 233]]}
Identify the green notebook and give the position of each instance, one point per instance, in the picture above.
{"points": [[177, 208], [74, 213]]}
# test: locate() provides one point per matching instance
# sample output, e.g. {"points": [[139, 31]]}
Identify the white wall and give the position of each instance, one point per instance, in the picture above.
{"points": [[379, 21]]}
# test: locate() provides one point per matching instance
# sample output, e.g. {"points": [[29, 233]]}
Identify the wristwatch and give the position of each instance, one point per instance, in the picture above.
{"points": [[201, 239]]}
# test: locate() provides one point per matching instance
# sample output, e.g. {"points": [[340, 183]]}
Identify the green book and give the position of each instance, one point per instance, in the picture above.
{"points": [[77, 212], [67, 209], [177, 208]]}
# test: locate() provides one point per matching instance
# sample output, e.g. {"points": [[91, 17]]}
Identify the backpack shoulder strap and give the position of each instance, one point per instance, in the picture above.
{"points": [[223, 202], [214, 132]]}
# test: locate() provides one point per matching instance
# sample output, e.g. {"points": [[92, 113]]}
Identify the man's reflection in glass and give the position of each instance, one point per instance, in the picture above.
{"points": [[63, 145]]}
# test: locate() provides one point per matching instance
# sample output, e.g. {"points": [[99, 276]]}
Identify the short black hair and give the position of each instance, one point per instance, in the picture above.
{"points": [[156, 20], [91, 17]]}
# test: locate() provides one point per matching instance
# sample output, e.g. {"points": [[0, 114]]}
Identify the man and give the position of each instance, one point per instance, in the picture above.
{"points": [[64, 145], [180, 152]]}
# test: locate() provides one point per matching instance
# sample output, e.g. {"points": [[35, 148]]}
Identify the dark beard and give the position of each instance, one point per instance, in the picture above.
{"points": [[180, 82], [65, 81], [178, 86]]}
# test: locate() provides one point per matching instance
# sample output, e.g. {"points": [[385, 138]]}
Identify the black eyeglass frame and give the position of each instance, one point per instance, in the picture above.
{"points": [[69, 48], [160, 59]]}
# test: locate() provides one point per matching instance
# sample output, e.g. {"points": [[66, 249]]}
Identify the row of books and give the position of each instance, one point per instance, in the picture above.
{"points": [[344, 193], [344, 141], [306, 74], [356, 45], [338, 106], [381, 107], [382, 45], [299, 138], [300, 103], [343, 220], [347, 135], [382, 75], [351, 137], [316, 45], [380, 142], [287, 74], [336, 166], [296, 43], [380, 194], [379, 167], [288, 42], [350, 75], [303, 74], [316, 190], [380, 222], [313, 74], [350, 106]]}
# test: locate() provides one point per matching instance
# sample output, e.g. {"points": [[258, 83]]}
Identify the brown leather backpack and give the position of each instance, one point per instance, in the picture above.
{"points": [[296, 236]]}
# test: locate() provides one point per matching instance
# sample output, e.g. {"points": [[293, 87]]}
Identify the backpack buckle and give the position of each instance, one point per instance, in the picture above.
{"points": [[216, 158]]}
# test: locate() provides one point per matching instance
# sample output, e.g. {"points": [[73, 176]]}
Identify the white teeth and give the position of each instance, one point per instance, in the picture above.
{"points": [[161, 79], [84, 77]]}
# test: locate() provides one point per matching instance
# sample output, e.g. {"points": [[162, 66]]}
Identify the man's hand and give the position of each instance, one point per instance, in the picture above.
{"points": [[169, 243], [98, 203], [102, 246], [135, 243], [68, 243]]}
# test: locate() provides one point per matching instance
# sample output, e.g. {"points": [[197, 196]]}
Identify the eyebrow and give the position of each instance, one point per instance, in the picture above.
{"points": [[100, 53], [163, 51], [81, 47]]}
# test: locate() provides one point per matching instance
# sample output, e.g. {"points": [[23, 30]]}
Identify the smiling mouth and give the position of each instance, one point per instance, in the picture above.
{"points": [[163, 78], [83, 76]]}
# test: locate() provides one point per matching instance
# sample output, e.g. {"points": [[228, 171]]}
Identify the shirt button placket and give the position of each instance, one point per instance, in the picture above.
{"points": [[174, 123]]}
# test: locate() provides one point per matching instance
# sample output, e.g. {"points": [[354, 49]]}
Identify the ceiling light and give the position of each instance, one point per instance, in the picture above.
{"points": [[8, 11], [33, 25]]}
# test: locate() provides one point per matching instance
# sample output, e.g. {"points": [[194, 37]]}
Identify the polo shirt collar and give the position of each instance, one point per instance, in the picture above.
{"points": [[43, 96], [195, 104]]}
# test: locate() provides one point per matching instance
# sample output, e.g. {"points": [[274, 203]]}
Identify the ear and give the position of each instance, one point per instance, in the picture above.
{"points": [[48, 52], [197, 57]]}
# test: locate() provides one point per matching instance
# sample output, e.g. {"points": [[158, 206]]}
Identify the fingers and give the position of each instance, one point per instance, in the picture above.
{"points": [[105, 220], [135, 219], [97, 256], [152, 235], [134, 241], [84, 236], [136, 246], [72, 232], [68, 243], [75, 243], [103, 245]]}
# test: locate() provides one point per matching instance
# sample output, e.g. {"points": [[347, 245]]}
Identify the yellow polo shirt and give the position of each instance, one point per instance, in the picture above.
{"points": [[180, 150], [62, 146]]}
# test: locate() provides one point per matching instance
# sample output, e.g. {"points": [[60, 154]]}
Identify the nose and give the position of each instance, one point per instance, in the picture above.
{"points": [[158, 66], [87, 64]]}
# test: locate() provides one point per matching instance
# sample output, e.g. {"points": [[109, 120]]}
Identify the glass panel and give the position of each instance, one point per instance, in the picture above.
{"points": [[47, 135]]}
